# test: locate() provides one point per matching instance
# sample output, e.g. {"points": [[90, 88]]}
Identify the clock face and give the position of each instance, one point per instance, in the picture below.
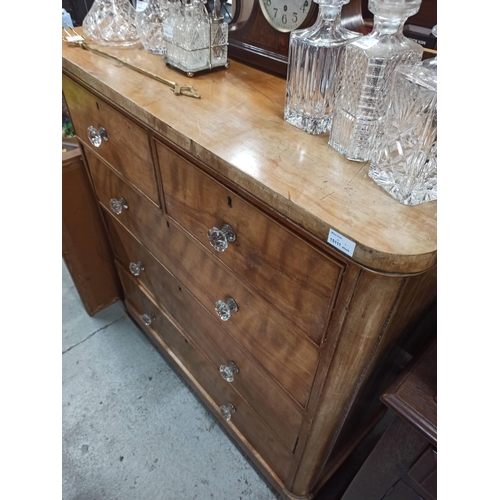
{"points": [[285, 15]]}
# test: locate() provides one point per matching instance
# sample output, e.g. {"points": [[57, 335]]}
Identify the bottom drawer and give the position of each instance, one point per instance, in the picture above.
{"points": [[244, 419]]}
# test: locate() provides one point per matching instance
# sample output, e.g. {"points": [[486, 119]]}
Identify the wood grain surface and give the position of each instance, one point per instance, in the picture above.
{"points": [[295, 277], [206, 373], [282, 350], [85, 245], [127, 148], [237, 128], [268, 399]]}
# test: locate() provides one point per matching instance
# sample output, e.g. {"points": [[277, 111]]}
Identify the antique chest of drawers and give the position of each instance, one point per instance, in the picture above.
{"points": [[219, 215]]}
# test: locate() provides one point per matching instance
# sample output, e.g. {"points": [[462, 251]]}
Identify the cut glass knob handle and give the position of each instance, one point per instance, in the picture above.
{"points": [[219, 238], [135, 269], [148, 318], [118, 205], [223, 309], [228, 371], [227, 410], [97, 136]]}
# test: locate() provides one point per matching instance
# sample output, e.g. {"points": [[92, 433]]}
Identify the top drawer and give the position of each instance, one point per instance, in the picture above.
{"points": [[127, 149], [296, 278]]}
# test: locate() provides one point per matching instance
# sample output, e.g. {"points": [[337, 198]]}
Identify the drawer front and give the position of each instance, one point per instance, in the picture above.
{"points": [[127, 149], [258, 388], [245, 420], [273, 340], [141, 216], [291, 274]]}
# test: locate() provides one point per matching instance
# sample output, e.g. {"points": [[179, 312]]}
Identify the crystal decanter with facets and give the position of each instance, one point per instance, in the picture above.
{"points": [[111, 22], [404, 161], [149, 24], [312, 68], [364, 77]]}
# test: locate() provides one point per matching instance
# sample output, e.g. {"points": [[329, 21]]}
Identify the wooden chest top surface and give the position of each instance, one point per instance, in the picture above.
{"points": [[237, 128]]}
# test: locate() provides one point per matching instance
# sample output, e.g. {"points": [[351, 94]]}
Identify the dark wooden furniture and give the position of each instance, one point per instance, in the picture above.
{"points": [[403, 464], [85, 246], [295, 374]]}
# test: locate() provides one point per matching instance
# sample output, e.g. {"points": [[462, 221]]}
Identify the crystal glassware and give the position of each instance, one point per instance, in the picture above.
{"points": [[174, 19], [312, 68], [404, 162], [191, 36], [149, 23], [197, 40], [364, 76], [111, 22], [218, 37]]}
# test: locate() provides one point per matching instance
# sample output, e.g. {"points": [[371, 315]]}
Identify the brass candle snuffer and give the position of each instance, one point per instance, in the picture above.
{"points": [[79, 40]]}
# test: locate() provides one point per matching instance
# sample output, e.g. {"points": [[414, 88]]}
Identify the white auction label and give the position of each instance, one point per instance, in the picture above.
{"points": [[341, 242]]}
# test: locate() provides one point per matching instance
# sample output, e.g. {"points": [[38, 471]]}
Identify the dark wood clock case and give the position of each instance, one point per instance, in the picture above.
{"points": [[255, 42]]}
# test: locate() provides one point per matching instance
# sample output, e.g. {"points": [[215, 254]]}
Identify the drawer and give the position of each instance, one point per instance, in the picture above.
{"points": [[291, 274], [289, 356], [255, 385], [127, 149], [141, 216], [273, 340], [244, 420]]}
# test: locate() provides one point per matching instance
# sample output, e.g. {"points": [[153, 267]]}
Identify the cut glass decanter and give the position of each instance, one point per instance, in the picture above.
{"points": [[149, 24], [111, 22], [364, 77], [404, 161], [312, 68]]}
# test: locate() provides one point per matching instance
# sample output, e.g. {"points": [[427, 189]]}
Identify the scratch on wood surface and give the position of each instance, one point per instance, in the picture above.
{"points": [[198, 124], [362, 166], [326, 195]]}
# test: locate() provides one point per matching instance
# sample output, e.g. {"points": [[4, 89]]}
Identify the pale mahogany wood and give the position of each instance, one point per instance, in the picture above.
{"points": [[287, 184], [290, 358], [259, 389], [380, 315], [127, 148], [206, 373], [237, 128], [287, 271]]}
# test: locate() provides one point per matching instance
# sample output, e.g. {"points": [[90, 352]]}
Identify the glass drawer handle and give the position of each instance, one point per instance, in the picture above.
{"points": [[148, 318], [228, 371], [135, 269], [118, 205], [97, 136], [227, 410], [223, 309], [219, 238]]}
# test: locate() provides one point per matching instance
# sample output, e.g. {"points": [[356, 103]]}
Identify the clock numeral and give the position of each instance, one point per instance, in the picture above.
{"points": [[304, 6], [268, 3], [285, 8], [294, 17], [275, 11], [283, 18]]}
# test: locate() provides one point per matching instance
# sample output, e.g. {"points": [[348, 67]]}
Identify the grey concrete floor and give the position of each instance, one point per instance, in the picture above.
{"points": [[132, 429]]}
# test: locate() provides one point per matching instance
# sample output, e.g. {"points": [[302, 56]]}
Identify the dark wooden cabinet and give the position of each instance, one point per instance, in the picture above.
{"points": [[403, 464]]}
